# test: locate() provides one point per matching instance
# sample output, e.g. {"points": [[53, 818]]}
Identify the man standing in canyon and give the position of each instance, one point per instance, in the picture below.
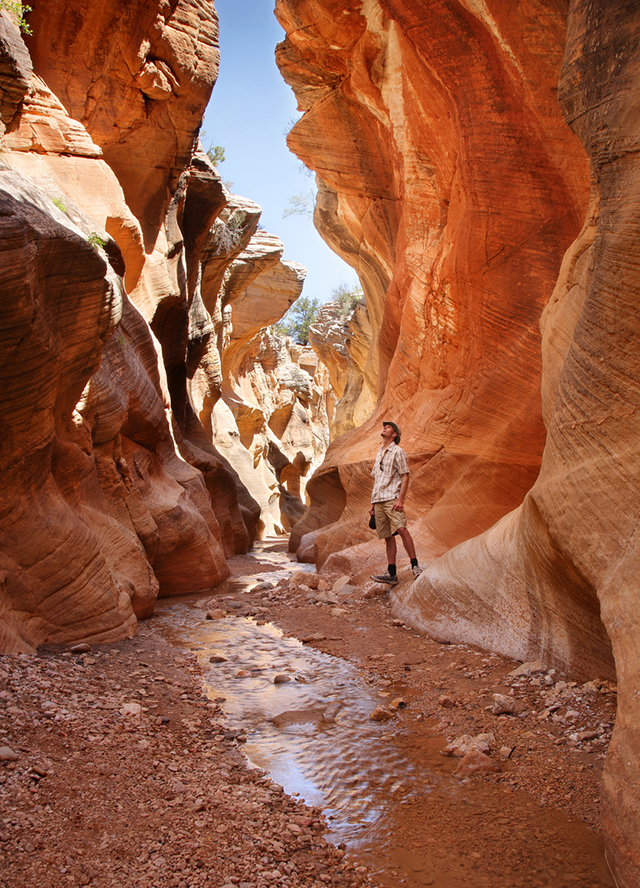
{"points": [[391, 480]]}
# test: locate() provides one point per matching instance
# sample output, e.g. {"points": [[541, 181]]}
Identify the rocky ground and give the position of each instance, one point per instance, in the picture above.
{"points": [[117, 770]]}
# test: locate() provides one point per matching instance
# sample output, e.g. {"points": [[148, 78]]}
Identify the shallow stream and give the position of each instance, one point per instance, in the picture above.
{"points": [[328, 752], [324, 748]]}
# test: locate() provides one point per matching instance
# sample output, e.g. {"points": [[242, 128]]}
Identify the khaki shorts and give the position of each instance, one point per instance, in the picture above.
{"points": [[388, 520]]}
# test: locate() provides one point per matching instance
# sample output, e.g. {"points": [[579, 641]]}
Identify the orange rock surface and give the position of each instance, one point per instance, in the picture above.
{"points": [[111, 494], [452, 181], [113, 491], [260, 398], [566, 562], [454, 196]]}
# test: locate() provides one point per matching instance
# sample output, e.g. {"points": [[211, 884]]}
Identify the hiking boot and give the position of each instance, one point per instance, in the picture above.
{"points": [[416, 570], [385, 578]]}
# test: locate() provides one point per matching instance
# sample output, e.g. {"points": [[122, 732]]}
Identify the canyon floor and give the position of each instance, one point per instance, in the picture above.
{"points": [[119, 769]]}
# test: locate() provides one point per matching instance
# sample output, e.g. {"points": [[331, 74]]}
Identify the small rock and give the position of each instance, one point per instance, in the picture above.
{"points": [[466, 743], [380, 714], [263, 587], [505, 752], [503, 704], [327, 598], [198, 805], [131, 709], [581, 736], [341, 582], [475, 762], [398, 703], [317, 636], [8, 755], [399, 624], [281, 678], [294, 717], [216, 613], [446, 701], [82, 648], [217, 658], [533, 668], [338, 612], [298, 577]]}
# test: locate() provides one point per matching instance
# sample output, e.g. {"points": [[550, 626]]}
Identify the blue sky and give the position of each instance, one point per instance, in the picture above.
{"points": [[250, 111]]}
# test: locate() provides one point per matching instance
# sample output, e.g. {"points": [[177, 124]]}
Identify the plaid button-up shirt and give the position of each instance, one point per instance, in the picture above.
{"points": [[389, 467]]}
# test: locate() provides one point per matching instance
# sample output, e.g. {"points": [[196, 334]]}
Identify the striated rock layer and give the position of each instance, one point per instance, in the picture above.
{"points": [[456, 222], [262, 401], [111, 492], [342, 342], [456, 101], [568, 558], [99, 513]]}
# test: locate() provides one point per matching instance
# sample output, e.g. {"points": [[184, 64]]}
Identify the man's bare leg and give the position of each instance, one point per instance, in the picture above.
{"points": [[407, 542], [392, 549]]}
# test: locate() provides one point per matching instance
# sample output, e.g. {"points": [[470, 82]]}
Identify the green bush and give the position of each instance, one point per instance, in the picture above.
{"points": [[97, 242], [347, 298], [216, 154], [297, 320], [18, 10]]}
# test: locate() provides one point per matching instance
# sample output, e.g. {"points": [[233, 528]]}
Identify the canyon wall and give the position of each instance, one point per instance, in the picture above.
{"points": [[117, 236], [454, 197], [504, 313], [342, 341]]}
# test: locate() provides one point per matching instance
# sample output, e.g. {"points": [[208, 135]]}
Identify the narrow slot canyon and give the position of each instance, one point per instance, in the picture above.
{"points": [[206, 675]]}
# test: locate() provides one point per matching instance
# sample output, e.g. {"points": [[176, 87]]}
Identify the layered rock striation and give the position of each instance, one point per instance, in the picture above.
{"points": [[503, 308], [111, 491], [342, 341], [261, 399], [456, 221]]}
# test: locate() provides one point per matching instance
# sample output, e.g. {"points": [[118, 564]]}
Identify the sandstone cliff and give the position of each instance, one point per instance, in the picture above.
{"points": [[453, 183], [342, 342], [456, 222], [261, 399], [111, 491]]}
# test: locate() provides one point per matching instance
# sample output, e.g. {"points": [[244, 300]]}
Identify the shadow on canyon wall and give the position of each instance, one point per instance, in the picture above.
{"points": [[477, 166]]}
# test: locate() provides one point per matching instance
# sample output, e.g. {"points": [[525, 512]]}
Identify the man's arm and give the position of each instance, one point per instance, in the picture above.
{"points": [[398, 506]]}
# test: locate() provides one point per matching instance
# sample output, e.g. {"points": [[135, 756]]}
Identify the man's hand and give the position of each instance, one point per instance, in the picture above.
{"points": [[372, 509], [398, 506]]}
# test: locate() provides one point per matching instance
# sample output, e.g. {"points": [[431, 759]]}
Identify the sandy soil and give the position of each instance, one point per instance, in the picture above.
{"points": [[124, 774]]}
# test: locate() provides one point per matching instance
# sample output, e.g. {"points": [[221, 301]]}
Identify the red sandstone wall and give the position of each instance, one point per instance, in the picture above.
{"points": [[108, 498], [451, 182], [455, 104]]}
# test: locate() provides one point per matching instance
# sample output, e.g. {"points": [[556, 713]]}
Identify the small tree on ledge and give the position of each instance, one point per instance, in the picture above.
{"points": [[297, 320]]}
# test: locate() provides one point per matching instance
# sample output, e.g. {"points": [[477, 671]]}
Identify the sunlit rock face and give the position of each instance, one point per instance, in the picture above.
{"points": [[451, 183], [111, 493], [261, 399], [137, 75], [557, 577], [342, 342]]}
